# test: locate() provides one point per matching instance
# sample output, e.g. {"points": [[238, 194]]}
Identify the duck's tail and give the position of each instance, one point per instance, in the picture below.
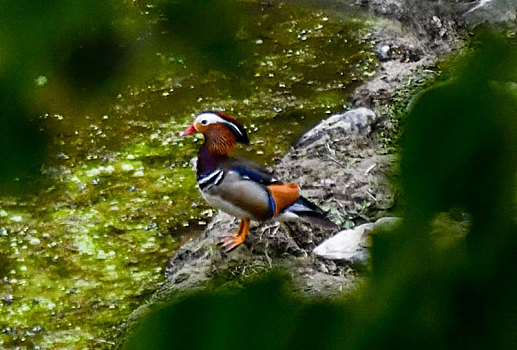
{"points": [[308, 212]]}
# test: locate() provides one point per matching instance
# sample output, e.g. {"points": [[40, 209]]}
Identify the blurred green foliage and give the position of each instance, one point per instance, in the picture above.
{"points": [[459, 151], [223, 320], [34, 42]]}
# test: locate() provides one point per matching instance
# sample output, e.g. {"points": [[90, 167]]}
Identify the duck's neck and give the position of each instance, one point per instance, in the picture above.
{"points": [[219, 143], [208, 161]]}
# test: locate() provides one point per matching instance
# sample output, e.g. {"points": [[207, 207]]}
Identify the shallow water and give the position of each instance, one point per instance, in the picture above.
{"points": [[117, 193]]}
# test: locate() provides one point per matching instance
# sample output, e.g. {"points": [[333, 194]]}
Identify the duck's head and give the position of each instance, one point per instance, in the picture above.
{"points": [[221, 131]]}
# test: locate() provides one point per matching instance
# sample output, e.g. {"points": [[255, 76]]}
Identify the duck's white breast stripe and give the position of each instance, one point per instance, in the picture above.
{"points": [[219, 178], [212, 179], [210, 176]]}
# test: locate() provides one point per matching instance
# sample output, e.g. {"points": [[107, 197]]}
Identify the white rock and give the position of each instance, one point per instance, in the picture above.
{"points": [[351, 245]]}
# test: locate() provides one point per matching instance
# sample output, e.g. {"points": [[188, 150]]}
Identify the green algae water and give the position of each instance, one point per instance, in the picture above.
{"points": [[117, 193]]}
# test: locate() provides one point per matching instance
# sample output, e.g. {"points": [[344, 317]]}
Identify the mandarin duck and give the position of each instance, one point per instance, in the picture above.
{"points": [[241, 187]]}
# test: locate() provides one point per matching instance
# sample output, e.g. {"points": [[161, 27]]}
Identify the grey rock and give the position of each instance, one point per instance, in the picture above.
{"points": [[355, 121], [394, 8], [446, 16], [491, 12], [340, 174], [355, 173], [352, 245], [383, 51]]}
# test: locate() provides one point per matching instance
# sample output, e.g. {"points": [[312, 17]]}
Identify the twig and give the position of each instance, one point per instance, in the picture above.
{"points": [[335, 160], [269, 260], [370, 168], [371, 195], [104, 341], [331, 151]]}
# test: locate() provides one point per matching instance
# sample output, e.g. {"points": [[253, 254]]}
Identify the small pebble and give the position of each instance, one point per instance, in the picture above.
{"points": [[16, 218], [37, 329], [34, 241], [151, 226], [8, 299], [7, 330]]}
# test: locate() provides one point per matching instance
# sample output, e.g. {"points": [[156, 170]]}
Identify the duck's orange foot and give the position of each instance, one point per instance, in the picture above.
{"points": [[232, 241]]}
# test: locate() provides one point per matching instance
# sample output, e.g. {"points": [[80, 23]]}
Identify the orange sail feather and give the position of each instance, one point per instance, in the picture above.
{"points": [[284, 195]]}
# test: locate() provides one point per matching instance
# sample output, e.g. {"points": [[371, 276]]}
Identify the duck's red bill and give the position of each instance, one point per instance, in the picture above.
{"points": [[189, 131]]}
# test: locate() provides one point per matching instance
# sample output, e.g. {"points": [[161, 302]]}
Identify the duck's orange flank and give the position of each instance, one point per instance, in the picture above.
{"points": [[284, 195]]}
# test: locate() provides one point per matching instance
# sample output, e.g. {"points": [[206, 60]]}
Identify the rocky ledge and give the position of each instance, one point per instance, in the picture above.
{"points": [[344, 164], [339, 167]]}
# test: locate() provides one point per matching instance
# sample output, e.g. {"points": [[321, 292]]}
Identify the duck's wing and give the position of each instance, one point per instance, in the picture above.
{"points": [[239, 187], [256, 182], [249, 170]]}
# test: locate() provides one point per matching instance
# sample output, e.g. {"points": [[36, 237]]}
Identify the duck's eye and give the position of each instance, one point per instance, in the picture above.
{"points": [[204, 122]]}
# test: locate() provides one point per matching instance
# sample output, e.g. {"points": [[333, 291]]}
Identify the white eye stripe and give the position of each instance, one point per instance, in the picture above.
{"points": [[234, 128], [212, 118]]}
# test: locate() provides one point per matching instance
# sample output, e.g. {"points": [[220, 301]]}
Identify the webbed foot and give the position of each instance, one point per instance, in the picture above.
{"points": [[231, 241]]}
